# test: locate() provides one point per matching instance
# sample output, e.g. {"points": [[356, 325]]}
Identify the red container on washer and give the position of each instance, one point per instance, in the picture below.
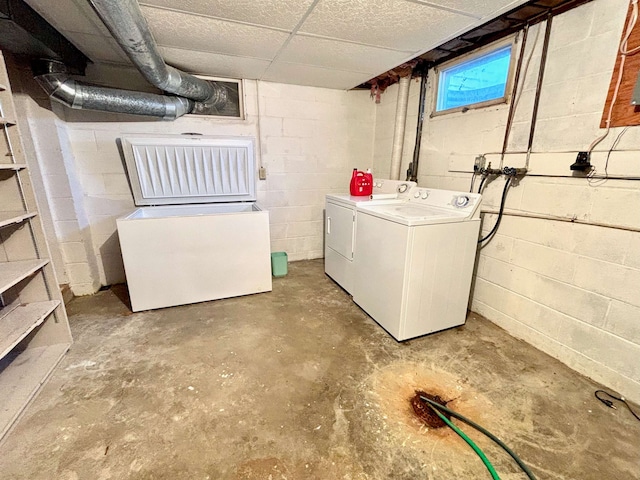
{"points": [[361, 183]]}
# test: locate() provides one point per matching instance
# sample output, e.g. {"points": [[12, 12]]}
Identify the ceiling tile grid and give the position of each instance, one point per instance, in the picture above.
{"points": [[473, 8], [395, 24], [321, 52], [327, 43], [205, 34], [283, 72], [199, 63], [283, 14]]}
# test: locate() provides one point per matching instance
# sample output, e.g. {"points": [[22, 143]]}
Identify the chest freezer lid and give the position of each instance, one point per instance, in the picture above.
{"points": [[181, 169]]}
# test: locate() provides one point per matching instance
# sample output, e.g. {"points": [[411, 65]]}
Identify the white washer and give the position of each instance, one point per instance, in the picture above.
{"points": [[415, 261], [339, 239]]}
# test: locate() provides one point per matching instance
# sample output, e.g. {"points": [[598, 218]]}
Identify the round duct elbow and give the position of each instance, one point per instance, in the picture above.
{"points": [[53, 78]]}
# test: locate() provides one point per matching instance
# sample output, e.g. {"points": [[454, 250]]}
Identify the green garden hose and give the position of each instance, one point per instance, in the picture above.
{"points": [[462, 435], [484, 431]]}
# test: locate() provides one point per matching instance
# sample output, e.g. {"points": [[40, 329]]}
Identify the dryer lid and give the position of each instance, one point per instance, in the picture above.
{"points": [[180, 169]]}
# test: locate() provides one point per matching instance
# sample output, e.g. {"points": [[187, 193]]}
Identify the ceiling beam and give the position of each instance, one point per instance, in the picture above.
{"points": [[25, 32]]}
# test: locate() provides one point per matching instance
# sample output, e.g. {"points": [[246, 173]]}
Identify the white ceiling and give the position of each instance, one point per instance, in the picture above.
{"points": [[325, 43]]}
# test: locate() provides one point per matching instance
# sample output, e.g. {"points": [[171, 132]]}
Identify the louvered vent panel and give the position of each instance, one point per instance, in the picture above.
{"points": [[190, 170]]}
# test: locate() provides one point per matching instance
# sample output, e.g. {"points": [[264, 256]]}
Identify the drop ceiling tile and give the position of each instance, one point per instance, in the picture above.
{"points": [[214, 64], [71, 15], [477, 8], [192, 32], [273, 13], [338, 55], [294, 73], [398, 24]]}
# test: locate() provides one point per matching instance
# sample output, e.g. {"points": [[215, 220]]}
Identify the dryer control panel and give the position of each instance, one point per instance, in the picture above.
{"points": [[461, 202]]}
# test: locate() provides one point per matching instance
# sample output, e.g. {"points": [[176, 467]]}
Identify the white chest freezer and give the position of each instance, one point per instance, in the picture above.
{"points": [[199, 234]]}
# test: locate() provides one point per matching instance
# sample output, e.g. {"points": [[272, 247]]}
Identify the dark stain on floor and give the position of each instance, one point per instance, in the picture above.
{"points": [[299, 383]]}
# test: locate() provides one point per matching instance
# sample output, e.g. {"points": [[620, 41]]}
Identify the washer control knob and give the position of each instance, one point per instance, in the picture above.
{"points": [[416, 195], [425, 194], [402, 187], [461, 201]]}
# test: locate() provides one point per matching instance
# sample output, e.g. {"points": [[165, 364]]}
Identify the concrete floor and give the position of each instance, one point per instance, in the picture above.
{"points": [[300, 384]]}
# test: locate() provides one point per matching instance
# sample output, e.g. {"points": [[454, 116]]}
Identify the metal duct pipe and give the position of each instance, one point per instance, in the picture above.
{"points": [[128, 26], [398, 131], [53, 78]]}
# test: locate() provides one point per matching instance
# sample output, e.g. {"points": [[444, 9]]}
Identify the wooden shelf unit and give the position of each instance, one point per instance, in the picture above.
{"points": [[23, 373], [34, 329], [13, 166], [9, 218]]}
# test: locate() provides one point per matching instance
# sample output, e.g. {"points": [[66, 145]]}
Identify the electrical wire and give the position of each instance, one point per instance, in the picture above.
{"points": [[502, 202], [473, 180], [613, 147], [470, 442], [484, 178], [610, 404], [485, 432], [593, 180], [623, 55], [627, 35]]}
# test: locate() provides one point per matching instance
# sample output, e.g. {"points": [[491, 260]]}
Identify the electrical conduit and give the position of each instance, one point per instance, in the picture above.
{"points": [[398, 131]]}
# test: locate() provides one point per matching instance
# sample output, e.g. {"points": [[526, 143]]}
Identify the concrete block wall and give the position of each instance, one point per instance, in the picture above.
{"points": [[384, 130], [310, 139], [58, 193], [570, 289]]}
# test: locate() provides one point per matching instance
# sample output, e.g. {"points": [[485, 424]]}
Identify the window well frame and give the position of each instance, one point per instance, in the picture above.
{"points": [[475, 54], [241, 99]]}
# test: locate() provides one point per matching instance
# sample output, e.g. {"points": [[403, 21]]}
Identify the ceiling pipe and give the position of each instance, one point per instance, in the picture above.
{"points": [[412, 171], [125, 21], [536, 99], [514, 94], [54, 79], [398, 131]]}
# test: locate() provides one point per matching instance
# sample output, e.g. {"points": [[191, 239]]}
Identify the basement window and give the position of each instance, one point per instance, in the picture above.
{"points": [[234, 108], [475, 81]]}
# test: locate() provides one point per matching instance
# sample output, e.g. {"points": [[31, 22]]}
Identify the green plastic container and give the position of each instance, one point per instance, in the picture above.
{"points": [[279, 264]]}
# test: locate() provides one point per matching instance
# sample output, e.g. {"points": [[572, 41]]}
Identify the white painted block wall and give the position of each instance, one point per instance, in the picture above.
{"points": [[310, 139], [57, 188], [571, 290]]}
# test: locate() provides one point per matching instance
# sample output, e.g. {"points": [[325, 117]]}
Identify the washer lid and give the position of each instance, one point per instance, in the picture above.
{"points": [[180, 169], [384, 191], [411, 214]]}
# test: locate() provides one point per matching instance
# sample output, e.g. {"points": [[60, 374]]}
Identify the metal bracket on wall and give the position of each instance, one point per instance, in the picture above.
{"points": [[635, 96]]}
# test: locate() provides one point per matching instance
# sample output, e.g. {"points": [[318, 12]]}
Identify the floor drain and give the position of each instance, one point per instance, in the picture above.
{"points": [[424, 412]]}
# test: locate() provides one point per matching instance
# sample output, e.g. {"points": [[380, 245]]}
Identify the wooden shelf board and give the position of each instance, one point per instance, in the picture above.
{"points": [[9, 218], [7, 121], [13, 272], [21, 376], [13, 166], [18, 322]]}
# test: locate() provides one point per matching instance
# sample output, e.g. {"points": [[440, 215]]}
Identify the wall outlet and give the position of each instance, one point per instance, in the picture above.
{"points": [[262, 173], [479, 163], [582, 163]]}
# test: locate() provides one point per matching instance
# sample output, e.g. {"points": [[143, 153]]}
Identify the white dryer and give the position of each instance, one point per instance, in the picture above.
{"points": [[415, 261], [339, 233]]}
